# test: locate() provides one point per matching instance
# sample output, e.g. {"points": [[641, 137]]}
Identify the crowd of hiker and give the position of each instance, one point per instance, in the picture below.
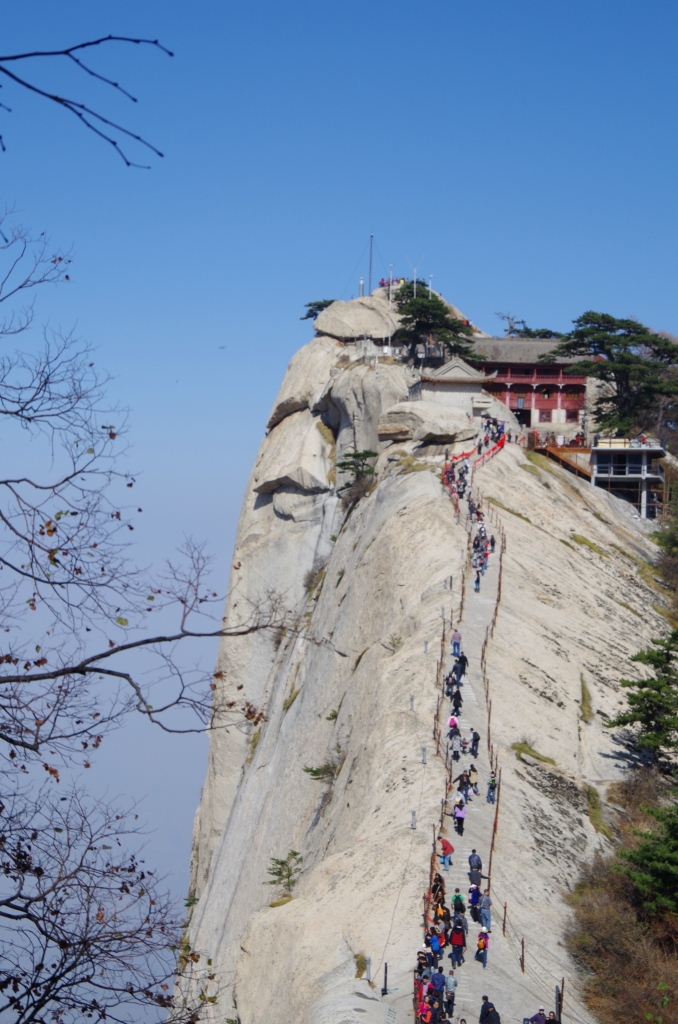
{"points": [[483, 547], [492, 431], [456, 477], [457, 471], [450, 913]]}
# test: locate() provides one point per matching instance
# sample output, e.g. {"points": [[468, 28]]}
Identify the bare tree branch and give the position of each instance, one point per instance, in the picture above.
{"points": [[66, 569], [88, 931], [29, 262], [96, 122]]}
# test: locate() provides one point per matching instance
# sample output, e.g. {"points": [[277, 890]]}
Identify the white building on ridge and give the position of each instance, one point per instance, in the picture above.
{"points": [[455, 384]]}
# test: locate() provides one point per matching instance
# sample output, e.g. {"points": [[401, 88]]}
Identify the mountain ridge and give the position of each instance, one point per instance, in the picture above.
{"points": [[566, 612]]}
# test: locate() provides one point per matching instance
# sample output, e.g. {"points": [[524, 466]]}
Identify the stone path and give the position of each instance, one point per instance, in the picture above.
{"points": [[515, 995]]}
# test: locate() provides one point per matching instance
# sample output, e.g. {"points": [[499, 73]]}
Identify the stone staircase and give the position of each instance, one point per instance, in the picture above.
{"points": [[514, 994]]}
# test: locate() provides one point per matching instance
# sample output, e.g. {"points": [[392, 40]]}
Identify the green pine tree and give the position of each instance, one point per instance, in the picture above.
{"points": [[637, 365], [285, 872], [536, 332], [668, 537], [653, 865], [426, 317], [356, 463], [653, 702], [314, 308]]}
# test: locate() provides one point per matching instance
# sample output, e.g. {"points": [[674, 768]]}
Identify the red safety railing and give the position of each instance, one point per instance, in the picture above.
{"points": [[490, 452], [463, 455]]}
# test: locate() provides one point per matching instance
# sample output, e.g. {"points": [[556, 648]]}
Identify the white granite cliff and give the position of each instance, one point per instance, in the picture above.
{"points": [[338, 690]]}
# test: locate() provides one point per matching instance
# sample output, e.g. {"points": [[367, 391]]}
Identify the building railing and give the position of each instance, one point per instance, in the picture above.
{"points": [[625, 442], [545, 403], [514, 402], [629, 469], [534, 376]]}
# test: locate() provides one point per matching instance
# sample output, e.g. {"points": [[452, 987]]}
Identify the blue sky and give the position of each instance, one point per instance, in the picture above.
{"points": [[526, 149]]}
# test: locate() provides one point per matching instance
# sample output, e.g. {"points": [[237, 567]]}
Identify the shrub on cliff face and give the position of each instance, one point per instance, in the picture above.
{"points": [[624, 930], [362, 472], [653, 865], [328, 771], [653, 704], [324, 773], [667, 563], [355, 491], [357, 464], [314, 577], [633, 964], [285, 872]]}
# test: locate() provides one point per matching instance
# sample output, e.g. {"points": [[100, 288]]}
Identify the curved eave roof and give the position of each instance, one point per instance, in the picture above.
{"points": [[480, 378], [516, 350]]}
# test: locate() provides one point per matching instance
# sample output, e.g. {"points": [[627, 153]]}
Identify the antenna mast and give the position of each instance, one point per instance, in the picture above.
{"points": [[369, 279]]}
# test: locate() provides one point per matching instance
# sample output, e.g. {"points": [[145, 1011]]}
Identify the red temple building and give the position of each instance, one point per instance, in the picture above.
{"points": [[540, 395]]}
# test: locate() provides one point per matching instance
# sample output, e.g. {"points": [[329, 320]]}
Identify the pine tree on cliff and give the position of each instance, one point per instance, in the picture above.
{"points": [[314, 309], [653, 865], [425, 317], [654, 703], [637, 366]]}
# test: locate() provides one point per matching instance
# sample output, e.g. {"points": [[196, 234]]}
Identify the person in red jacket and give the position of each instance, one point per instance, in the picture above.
{"points": [[448, 850], [418, 988], [457, 945]]}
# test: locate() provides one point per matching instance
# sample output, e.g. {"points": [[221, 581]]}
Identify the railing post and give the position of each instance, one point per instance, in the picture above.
{"points": [[522, 955], [503, 927], [494, 831]]}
